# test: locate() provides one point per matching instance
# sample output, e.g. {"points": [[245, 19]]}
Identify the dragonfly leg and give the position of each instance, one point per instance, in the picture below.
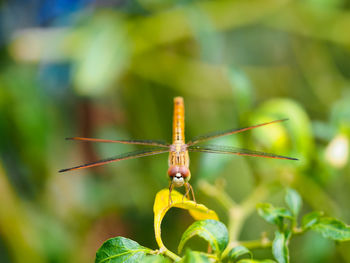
{"points": [[186, 193], [190, 188], [170, 189]]}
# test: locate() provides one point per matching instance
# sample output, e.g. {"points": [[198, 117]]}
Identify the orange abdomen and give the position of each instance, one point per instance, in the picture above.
{"points": [[179, 120]]}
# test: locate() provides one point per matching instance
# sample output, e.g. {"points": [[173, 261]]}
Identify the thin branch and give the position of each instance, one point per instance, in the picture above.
{"points": [[216, 192]]}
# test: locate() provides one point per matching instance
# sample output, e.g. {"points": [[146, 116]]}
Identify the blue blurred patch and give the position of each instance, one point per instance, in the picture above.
{"points": [[53, 9], [55, 79]]}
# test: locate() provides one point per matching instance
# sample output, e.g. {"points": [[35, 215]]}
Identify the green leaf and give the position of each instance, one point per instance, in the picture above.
{"points": [[238, 251], [155, 259], [242, 86], [120, 249], [273, 215], [280, 248], [101, 57], [256, 261], [298, 128], [161, 207], [212, 231], [332, 228], [293, 201], [310, 219], [194, 257]]}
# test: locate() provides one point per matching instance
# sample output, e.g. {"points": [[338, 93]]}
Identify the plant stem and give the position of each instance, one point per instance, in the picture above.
{"points": [[214, 191], [238, 212], [251, 244], [260, 243], [236, 220], [18, 233], [168, 253]]}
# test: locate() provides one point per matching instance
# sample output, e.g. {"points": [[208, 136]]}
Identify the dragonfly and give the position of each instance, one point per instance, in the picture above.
{"points": [[178, 171]]}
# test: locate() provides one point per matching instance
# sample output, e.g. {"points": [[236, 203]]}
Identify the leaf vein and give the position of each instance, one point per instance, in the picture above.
{"points": [[122, 254]]}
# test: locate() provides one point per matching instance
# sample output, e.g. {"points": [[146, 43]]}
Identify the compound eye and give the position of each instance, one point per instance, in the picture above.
{"points": [[173, 170], [184, 171]]}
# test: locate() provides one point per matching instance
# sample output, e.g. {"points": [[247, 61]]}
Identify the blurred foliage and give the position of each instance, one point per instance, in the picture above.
{"points": [[110, 69], [223, 243]]}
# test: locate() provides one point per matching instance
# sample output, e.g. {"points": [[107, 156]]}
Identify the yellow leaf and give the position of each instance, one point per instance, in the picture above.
{"points": [[161, 206]]}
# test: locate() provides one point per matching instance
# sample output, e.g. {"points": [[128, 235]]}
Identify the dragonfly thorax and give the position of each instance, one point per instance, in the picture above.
{"points": [[178, 146]]}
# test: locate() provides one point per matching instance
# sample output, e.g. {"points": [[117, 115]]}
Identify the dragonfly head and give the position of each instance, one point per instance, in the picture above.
{"points": [[178, 175]]}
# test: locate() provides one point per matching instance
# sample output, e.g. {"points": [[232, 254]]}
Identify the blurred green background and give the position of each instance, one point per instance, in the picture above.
{"points": [[110, 69]]}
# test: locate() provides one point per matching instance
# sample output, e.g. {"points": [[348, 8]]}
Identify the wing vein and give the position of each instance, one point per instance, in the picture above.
{"points": [[124, 156], [235, 150], [138, 142], [213, 135]]}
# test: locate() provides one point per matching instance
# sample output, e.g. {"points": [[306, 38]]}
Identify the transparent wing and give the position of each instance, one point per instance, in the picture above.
{"points": [[213, 135], [139, 142], [235, 150], [124, 156]]}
